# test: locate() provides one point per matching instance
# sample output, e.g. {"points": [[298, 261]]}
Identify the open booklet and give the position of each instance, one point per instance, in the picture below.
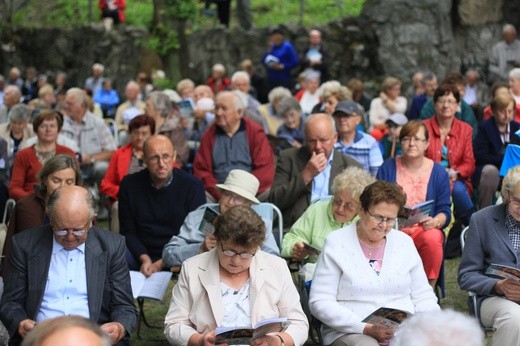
{"points": [[206, 225], [387, 317], [416, 214], [503, 271], [244, 335], [153, 287]]}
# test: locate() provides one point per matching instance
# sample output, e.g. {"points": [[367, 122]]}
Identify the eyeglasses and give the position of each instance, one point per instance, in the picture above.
{"points": [[448, 101], [76, 232], [233, 196], [407, 140], [380, 219], [338, 203], [165, 158], [231, 253]]}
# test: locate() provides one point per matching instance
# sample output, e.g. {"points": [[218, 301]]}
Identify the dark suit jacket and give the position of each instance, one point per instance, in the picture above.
{"points": [[488, 147], [108, 280], [487, 242], [289, 192]]}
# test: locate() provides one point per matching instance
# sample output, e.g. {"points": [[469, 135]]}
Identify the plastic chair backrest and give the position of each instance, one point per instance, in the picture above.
{"points": [[267, 211], [9, 206]]}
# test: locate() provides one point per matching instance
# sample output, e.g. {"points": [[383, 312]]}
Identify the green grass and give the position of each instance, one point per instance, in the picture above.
{"points": [[66, 13]]}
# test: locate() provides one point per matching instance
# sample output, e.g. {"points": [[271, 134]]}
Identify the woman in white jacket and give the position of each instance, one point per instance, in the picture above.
{"points": [[365, 266]]}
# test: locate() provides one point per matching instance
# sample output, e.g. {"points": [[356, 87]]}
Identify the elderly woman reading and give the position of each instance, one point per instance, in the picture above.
{"points": [[323, 217], [365, 266], [235, 284]]}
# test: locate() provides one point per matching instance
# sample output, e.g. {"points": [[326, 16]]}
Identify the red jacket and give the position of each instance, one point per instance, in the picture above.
{"points": [[460, 147], [121, 5], [261, 156], [226, 83], [25, 168], [117, 169]]}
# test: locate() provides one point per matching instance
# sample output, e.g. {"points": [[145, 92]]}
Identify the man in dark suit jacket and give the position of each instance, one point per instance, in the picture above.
{"points": [[55, 252], [492, 238], [299, 170]]}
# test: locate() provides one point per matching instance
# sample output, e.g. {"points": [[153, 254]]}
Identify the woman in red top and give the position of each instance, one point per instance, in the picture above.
{"points": [[451, 147], [29, 161], [126, 160], [218, 81]]}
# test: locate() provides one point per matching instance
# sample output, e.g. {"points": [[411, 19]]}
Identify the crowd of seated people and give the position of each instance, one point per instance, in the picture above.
{"points": [[340, 166]]}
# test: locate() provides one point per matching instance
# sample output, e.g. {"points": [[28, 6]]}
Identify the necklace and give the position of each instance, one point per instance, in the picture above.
{"points": [[44, 156]]}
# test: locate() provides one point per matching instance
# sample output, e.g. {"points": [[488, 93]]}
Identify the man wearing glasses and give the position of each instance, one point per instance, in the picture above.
{"points": [[68, 267], [153, 204]]}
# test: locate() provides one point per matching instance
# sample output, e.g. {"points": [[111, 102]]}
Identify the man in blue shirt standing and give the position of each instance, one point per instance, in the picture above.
{"points": [[279, 60]]}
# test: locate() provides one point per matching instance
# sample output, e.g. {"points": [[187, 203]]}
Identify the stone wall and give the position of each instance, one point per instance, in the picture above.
{"points": [[391, 37]]}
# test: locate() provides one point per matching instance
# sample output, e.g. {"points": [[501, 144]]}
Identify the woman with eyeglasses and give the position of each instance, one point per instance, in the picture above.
{"points": [[239, 188], [29, 211], [422, 180], [235, 284], [365, 266], [28, 161], [451, 147], [325, 216]]}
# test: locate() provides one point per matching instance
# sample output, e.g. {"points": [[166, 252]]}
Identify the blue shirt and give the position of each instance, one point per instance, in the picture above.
{"points": [[66, 288], [365, 150], [320, 183]]}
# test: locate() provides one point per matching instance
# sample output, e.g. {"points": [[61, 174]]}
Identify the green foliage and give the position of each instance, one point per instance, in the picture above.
{"points": [[179, 9], [163, 83], [163, 40]]}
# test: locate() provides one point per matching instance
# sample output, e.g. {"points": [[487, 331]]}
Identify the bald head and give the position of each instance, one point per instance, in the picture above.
{"points": [[70, 209], [320, 134], [159, 155]]}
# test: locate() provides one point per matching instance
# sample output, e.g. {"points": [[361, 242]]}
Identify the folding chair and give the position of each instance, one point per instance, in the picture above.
{"points": [[267, 211]]}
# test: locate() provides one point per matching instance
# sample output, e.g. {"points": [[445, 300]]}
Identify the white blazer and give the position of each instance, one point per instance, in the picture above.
{"points": [[196, 305], [345, 289]]}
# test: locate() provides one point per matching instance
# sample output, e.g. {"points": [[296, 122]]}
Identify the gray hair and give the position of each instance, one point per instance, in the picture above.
{"points": [[277, 93], [219, 67], [508, 28], [80, 95], [14, 89], [98, 66], [510, 182], [335, 88], [288, 103], [20, 112], [428, 76], [440, 328], [53, 325], [515, 73], [352, 179], [240, 74], [55, 196], [240, 100], [161, 102]]}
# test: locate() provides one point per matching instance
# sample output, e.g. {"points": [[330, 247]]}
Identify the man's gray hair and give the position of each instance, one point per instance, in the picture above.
{"points": [[515, 73], [240, 74], [508, 28], [98, 66], [428, 76], [14, 89], [20, 112], [510, 182], [240, 100], [327, 117], [80, 95], [439, 328]]}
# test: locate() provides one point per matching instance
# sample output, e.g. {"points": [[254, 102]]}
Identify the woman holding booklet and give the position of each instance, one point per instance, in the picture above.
{"points": [[422, 180], [323, 217], [365, 266], [235, 285]]}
